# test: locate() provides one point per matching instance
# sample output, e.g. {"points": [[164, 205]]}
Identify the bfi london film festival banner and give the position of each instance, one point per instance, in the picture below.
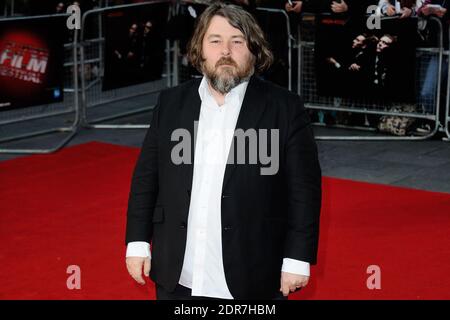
{"points": [[377, 64], [31, 61], [134, 45]]}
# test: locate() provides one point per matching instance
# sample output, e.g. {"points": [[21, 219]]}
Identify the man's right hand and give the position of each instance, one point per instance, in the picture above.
{"points": [[134, 266], [441, 12], [429, 10], [296, 7], [390, 10]]}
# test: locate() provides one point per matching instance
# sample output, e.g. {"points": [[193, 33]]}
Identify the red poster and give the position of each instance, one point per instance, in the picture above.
{"points": [[31, 62]]}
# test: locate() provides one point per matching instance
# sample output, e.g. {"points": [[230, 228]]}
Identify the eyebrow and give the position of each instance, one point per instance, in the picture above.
{"points": [[219, 36]]}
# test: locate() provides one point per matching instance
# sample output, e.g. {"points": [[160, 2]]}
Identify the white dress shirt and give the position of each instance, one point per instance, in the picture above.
{"points": [[203, 264]]}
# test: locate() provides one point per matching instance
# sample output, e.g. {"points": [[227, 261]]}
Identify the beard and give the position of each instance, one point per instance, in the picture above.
{"points": [[227, 75]]}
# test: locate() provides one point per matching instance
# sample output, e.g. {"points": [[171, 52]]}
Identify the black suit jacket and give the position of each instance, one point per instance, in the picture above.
{"points": [[265, 218]]}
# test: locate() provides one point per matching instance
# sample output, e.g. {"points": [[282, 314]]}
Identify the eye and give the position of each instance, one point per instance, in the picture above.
{"points": [[237, 42], [214, 41]]}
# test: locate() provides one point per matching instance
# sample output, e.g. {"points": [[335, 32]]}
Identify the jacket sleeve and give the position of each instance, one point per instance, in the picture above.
{"points": [[144, 185], [304, 187]]}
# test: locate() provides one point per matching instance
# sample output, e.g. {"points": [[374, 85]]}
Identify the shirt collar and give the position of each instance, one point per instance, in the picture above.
{"points": [[237, 92]]}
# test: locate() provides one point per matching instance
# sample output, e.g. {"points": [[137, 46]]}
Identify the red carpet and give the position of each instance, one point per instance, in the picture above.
{"points": [[69, 209]]}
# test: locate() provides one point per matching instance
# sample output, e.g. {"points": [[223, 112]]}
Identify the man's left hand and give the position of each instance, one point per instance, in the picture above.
{"points": [[291, 282], [406, 13], [337, 7]]}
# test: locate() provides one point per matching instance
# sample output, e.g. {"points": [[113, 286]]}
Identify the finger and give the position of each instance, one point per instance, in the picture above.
{"points": [[138, 279], [285, 290], [147, 266], [284, 287], [135, 271], [136, 274]]}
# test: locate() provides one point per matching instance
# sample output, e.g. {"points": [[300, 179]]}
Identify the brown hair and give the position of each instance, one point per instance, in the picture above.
{"points": [[239, 19]]}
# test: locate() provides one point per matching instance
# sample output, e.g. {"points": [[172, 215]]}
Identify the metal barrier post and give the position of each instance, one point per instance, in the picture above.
{"points": [[168, 69], [84, 87], [447, 104], [299, 60], [175, 65], [72, 129], [323, 103]]}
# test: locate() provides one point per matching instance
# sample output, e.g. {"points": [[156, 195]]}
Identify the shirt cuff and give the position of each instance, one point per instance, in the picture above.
{"points": [[138, 249], [295, 266]]}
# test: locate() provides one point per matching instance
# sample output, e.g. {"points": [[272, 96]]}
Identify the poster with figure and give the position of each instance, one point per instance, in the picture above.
{"points": [[31, 61], [134, 45], [370, 63]]}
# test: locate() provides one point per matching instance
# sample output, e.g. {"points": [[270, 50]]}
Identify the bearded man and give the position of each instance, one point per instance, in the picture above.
{"points": [[220, 225]]}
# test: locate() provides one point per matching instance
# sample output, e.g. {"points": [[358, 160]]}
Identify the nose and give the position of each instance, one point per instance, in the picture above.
{"points": [[226, 49]]}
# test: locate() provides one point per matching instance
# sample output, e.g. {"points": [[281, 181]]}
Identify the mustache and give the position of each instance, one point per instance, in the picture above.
{"points": [[223, 61]]}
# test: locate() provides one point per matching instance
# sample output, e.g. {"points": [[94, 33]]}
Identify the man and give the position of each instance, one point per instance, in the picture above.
{"points": [[440, 9], [383, 63], [219, 228], [152, 53]]}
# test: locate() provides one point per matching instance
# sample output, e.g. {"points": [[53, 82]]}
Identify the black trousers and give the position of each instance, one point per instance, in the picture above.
{"points": [[183, 293]]}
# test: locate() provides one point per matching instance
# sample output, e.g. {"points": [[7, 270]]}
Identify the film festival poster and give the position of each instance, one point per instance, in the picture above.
{"points": [[134, 45], [377, 64], [31, 61]]}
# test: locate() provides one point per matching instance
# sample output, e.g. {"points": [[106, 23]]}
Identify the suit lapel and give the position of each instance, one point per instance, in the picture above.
{"points": [[189, 114], [251, 111]]}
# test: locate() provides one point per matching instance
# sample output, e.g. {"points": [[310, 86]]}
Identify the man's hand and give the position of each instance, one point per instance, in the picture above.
{"points": [[337, 7], [291, 282], [134, 266], [441, 12], [354, 67], [437, 10], [406, 13], [297, 6], [426, 10], [390, 10]]}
